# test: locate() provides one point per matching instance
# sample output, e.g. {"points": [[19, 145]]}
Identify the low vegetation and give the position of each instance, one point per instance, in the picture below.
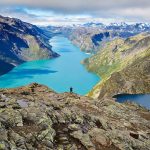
{"points": [[120, 55]]}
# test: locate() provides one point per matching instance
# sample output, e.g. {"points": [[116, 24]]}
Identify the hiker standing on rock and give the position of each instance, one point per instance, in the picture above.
{"points": [[71, 90]]}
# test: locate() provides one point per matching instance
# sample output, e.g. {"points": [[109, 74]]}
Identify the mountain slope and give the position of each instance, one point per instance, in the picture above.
{"points": [[35, 117], [20, 42], [90, 37], [5, 67], [123, 65]]}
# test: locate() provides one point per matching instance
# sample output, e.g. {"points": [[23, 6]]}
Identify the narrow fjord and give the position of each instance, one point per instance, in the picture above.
{"points": [[59, 73]]}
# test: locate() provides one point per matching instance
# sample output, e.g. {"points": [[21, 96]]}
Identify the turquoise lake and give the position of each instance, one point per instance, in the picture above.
{"points": [[59, 73]]}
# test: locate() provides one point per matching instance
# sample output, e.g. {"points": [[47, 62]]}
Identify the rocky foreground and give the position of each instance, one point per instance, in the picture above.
{"points": [[36, 118]]}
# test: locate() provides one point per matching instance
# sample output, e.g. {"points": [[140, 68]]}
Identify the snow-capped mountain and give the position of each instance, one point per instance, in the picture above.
{"points": [[136, 27], [93, 24]]}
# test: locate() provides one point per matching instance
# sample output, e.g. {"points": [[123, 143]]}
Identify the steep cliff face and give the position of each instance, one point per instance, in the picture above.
{"points": [[35, 117], [5, 67], [124, 66], [89, 39], [20, 42]]}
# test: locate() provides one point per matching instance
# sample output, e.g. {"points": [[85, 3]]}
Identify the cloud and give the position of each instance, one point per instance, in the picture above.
{"points": [[75, 6], [39, 10]]}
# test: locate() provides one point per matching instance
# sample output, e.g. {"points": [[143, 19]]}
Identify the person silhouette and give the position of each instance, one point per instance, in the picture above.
{"points": [[71, 90]]}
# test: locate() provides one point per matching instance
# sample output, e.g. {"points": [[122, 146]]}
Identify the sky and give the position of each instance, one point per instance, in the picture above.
{"points": [[68, 12]]}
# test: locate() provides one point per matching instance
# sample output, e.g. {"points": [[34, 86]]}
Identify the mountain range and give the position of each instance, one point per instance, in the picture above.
{"points": [[135, 27], [91, 36]]}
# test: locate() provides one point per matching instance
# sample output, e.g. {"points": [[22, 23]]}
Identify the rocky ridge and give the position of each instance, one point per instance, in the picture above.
{"points": [[37, 118]]}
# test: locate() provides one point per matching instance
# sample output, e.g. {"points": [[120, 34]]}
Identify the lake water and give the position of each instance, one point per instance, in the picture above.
{"points": [[59, 74], [142, 99]]}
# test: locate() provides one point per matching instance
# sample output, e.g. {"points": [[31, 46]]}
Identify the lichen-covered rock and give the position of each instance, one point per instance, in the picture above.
{"points": [[99, 137], [67, 121], [83, 138]]}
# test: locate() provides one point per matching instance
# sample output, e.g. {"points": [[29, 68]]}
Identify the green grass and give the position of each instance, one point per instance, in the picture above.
{"points": [[34, 51], [107, 62]]}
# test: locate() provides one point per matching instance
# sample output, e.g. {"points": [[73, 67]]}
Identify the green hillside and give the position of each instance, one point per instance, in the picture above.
{"points": [[118, 57]]}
